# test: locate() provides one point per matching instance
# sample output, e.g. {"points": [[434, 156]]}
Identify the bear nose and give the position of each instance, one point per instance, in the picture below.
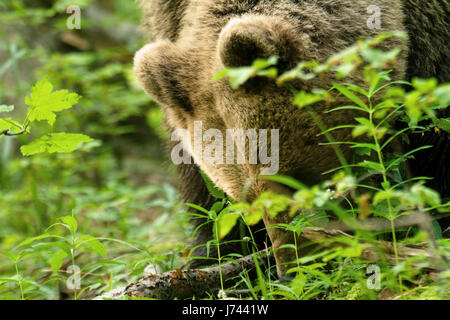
{"points": [[250, 37]]}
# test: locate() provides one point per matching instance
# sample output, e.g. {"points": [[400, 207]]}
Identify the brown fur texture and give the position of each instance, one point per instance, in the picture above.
{"points": [[194, 39]]}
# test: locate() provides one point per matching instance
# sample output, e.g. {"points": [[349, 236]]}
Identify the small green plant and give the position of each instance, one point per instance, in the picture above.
{"points": [[43, 106], [380, 103]]}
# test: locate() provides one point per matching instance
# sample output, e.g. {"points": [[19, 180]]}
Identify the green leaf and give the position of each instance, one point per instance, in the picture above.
{"points": [[221, 75], [240, 75], [271, 203], [303, 99], [44, 103], [426, 195], [425, 86], [30, 240], [251, 215], [379, 58], [442, 93], [212, 188], [57, 260], [194, 206], [371, 165], [95, 245], [346, 92], [365, 126], [357, 89], [5, 124], [4, 108], [437, 230], [10, 125], [286, 180], [226, 222], [52, 245], [71, 223], [444, 124], [55, 143]]}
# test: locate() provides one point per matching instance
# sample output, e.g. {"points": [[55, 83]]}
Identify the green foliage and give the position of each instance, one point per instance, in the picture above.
{"points": [[55, 142], [259, 68], [43, 105], [110, 204], [110, 207], [380, 102]]}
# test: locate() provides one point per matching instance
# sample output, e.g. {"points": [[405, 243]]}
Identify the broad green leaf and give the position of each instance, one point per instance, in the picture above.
{"points": [[426, 195], [10, 125], [271, 203], [425, 86], [442, 93], [303, 99], [5, 124], [55, 143], [217, 207], [357, 89], [71, 222], [365, 127], [226, 223], [57, 260], [379, 58], [95, 245], [44, 103], [253, 217]]}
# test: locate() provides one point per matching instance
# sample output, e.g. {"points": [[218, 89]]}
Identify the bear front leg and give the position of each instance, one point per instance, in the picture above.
{"points": [[285, 257]]}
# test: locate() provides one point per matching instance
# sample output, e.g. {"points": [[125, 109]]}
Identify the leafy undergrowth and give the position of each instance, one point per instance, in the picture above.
{"points": [[80, 217]]}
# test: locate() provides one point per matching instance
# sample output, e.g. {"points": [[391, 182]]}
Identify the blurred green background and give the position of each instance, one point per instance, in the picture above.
{"points": [[119, 186]]}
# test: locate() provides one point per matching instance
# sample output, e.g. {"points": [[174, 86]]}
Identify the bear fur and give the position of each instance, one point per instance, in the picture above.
{"points": [[191, 40]]}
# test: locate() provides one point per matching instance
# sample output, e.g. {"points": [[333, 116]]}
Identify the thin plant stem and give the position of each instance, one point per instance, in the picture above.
{"points": [[19, 280]]}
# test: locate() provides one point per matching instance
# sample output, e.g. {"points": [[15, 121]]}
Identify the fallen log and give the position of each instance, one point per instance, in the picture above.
{"points": [[186, 284]]}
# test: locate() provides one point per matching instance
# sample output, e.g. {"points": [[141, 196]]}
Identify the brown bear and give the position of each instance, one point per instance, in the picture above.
{"points": [[192, 40]]}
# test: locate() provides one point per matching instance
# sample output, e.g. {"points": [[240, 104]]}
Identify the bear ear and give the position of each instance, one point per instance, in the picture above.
{"points": [[157, 67], [250, 37], [146, 66]]}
